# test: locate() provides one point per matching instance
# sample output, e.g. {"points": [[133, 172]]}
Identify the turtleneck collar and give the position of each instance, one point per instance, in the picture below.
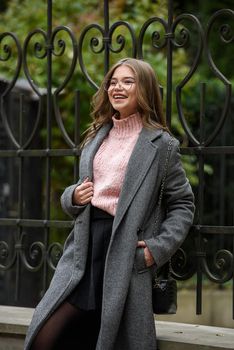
{"points": [[127, 126]]}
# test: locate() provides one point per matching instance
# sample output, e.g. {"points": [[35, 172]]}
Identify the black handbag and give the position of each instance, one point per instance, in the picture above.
{"points": [[164, 294], [164, 291]]}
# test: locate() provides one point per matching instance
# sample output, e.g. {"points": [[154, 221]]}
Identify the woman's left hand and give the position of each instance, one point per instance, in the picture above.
{"points": [[149, 260]]}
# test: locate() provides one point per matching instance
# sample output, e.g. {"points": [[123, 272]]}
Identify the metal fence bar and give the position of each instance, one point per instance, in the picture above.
{"points": [[169, 36]]}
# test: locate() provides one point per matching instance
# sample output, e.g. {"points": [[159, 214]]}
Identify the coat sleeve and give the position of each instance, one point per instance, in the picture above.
{"points": [[66, 201], [180, 209]]}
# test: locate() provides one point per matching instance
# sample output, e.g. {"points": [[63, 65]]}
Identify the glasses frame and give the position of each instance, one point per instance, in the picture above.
{"points": [[127, 87]]}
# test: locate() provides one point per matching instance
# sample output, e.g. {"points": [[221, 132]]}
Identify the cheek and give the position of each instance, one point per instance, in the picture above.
{"points": [[134, 97], [134, 101], [110, 97]]}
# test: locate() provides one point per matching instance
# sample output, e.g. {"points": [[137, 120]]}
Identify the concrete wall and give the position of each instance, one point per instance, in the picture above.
{"points": [[216, 308], [11, 342]]}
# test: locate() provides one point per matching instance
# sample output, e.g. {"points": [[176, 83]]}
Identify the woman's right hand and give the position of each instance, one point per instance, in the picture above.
{"points": [[83, 193]]}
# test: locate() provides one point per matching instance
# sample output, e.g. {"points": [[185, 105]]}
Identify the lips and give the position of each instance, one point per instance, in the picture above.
{"points": [[119, 96]]}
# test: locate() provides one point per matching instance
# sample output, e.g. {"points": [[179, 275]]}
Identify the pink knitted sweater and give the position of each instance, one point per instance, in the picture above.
{"points": [[111, 159]]}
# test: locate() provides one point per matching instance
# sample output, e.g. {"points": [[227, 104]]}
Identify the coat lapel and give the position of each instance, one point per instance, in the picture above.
{"points": [[89, 151], [139, 163]]}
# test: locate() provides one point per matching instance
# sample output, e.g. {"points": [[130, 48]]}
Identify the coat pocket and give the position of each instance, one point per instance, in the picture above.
{"points": [[139, 262]]}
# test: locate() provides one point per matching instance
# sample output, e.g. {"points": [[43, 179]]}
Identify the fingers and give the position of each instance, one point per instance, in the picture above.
{"points": [[149, 260], [83, 193], [85, 180], [141, 244]]}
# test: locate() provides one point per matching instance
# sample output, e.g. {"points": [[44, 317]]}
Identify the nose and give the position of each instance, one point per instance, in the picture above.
{"points": [[118, 86]]}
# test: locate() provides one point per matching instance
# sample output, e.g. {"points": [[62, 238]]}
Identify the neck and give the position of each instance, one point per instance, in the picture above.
{"points": [[125, 114]]}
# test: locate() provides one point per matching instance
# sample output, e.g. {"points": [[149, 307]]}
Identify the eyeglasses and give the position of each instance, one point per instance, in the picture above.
{"points": [[125, 84]]}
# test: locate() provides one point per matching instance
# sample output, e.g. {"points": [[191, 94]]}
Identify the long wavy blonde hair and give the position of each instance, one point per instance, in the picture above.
{"points": [[148, 97]]}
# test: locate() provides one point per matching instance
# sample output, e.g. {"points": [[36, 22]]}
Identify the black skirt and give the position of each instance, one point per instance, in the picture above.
{"points": [[88, 293]]}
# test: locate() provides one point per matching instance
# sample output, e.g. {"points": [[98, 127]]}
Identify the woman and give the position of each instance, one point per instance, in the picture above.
{"points": [[102, 284]]}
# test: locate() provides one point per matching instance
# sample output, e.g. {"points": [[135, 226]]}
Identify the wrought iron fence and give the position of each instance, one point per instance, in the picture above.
{"points": [[30, 239]]}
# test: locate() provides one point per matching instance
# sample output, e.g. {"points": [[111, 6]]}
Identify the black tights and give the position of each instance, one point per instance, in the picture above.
{"points": [[69, 328]]}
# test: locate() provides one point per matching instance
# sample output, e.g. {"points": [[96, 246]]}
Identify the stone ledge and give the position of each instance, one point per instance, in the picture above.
{"points": [[14, 322], [183, 336]]}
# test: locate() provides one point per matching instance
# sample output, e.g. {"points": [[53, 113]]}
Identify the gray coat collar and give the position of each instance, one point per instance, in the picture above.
{"points": [[139, 163]]}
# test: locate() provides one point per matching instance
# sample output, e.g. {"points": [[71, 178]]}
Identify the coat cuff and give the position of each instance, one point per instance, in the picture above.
{"points": [[66, 202]]}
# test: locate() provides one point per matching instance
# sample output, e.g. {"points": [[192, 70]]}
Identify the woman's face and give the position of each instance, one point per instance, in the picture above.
{"points": [[122, 91]]}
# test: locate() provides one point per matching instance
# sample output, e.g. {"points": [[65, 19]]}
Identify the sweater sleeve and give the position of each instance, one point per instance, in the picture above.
{"points": [[180, 211]]}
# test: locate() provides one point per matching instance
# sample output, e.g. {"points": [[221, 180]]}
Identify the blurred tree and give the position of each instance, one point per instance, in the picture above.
{"points": [[3, 5]]}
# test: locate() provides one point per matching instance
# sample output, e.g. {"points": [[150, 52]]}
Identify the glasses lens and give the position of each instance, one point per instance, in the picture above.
{"points": [[127, 84], [111, 84]]}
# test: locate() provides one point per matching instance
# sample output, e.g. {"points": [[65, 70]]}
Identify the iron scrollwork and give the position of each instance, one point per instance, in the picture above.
{"points": [[8, 54], [97, 46], [225, 32], [62, 46]]}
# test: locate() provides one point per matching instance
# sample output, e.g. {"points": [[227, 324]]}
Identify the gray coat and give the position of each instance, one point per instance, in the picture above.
{"points": [[127, 317]]}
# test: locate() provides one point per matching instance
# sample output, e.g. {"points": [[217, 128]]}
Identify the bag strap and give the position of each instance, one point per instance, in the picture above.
{"points": [[156, 222]]}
